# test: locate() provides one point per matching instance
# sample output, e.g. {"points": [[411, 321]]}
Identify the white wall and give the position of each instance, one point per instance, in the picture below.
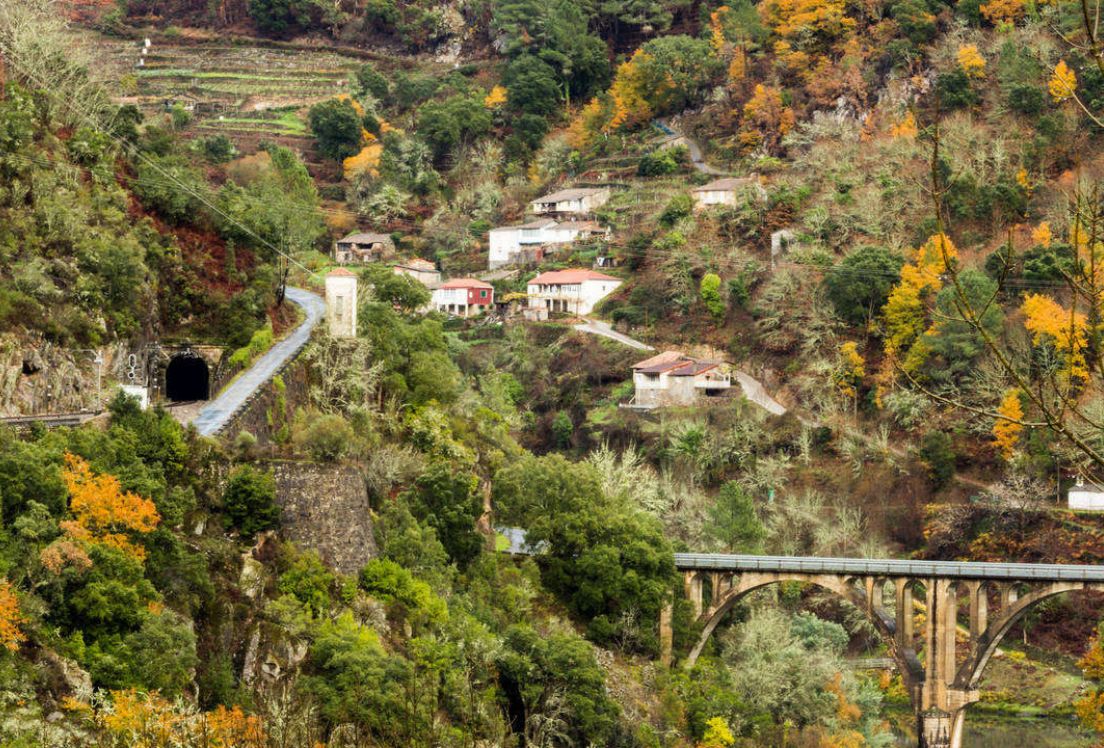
{"points": [[1086, 498], [341, 305], [504, 242]]}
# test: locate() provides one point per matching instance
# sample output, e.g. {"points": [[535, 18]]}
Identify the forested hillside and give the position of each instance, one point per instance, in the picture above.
{"points": [[866, 234]]}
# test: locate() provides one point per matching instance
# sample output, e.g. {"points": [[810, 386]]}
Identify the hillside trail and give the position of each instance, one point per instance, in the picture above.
{"points": [[696, 157], [752, 388], [216, 415]]}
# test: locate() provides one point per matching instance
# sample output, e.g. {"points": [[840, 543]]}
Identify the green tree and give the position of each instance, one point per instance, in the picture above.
{"points": [[860, 284], [957, 344], [400, 291], [937, 454], [460, 119], [532, 86], [337, 127], [250, 501], [372, 81], [448, 501], [710, 292], [733, 521], [283, 17]]}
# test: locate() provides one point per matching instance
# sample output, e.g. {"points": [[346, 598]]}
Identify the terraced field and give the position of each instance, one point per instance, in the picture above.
{"points": [[246, 92]]}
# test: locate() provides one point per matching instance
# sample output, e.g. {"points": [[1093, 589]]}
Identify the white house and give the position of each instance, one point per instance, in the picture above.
{"points": [[577, 201], [423, 271], [510, 245], [341, 303], [572, 291], [463, 297], [726, 191], [673, 378], [1088, 497]]}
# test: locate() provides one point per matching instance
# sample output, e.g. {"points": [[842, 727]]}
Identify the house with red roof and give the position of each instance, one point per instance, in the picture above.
{"points": [[673, 378], [570, 291], [463, 297]]}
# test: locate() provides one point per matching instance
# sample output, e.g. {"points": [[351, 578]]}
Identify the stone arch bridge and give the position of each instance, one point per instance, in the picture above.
{"points": [[941, 660]]}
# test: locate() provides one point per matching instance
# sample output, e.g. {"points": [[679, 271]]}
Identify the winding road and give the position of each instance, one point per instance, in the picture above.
{"points": [[696, 157], [215, 416]]}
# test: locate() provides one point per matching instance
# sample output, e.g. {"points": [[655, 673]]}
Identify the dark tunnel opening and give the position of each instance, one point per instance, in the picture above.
{"points": [[187, 378]]}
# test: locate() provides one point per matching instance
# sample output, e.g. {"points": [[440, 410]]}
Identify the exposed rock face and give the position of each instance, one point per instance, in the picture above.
{"points": [[325, 508]]}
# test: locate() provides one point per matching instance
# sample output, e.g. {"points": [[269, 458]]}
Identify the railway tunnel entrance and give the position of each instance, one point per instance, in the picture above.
{"points": [[187, 378]]}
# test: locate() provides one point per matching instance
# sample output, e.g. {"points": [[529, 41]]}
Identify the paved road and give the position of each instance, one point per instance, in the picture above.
{"points": [[695, 150], [217, 414], [595, 327], [891, 567], [755, 392]]}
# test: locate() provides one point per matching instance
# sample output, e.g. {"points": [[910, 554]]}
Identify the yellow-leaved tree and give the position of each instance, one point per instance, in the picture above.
{"points": [[717, 734], [495, 98], [11, 619], [1009, 424], [1064, 329], [971, 61], [1063, 82], [103, 513], [365, 162]]}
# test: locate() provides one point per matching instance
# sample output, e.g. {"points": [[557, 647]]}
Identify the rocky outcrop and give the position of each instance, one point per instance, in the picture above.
{"points": [[325, 509]]}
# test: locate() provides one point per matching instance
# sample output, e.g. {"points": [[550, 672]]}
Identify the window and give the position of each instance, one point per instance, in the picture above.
{"points": [[482, 294], [339, 308]]}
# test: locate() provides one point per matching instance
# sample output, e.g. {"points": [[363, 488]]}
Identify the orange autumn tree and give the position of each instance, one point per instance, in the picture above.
{"points": [[766, 118], [103, 513], [11, 619]]}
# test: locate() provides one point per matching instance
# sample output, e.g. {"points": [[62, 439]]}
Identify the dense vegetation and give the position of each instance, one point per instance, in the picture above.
{"points": [[930, 316]]}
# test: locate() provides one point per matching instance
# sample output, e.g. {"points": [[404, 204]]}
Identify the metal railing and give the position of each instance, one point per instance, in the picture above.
{"points": [[891, 567]]}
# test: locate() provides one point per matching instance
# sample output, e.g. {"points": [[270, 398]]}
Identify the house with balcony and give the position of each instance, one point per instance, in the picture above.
{"points": [[672, 378], [568, 291], [574, 201], [529, 242], [463, 297]]}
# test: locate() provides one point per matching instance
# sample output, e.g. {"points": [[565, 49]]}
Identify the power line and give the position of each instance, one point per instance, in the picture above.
{"points": [[90, 119]]}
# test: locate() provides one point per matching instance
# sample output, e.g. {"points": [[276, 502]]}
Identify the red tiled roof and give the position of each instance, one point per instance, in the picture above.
{"points": [[465, 283], [340, 273], [417, 264], [660, 359], [568, 277], [693, 368]]}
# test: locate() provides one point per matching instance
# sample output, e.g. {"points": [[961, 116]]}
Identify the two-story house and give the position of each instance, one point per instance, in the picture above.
{"points": [[572, 201], [673, 378], [463, 297], [571, 291], [527, 243]]}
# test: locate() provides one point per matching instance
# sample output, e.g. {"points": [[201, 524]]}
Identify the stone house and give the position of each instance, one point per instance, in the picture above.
{"points": [[423, 271], [725, 191], [362, 248], [673, 378]]}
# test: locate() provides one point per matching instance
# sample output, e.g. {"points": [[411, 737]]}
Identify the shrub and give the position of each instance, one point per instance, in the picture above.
{"points": [[954, 90], [250, 501], [337, 126], [327, 438], [860, 284], [372, 81], [680, 207], [663, 161], [710, 292], [937, 453]]}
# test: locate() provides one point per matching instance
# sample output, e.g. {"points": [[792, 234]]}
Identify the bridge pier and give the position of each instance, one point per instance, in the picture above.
{"points": [[946, 682]]}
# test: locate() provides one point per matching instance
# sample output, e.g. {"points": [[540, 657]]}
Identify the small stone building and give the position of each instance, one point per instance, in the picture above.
{"points": [[673, 378], [423, 271], [362, 248], [725, 191]]}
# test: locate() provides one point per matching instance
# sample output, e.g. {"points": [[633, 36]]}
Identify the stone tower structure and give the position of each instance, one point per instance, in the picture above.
{"points": [[341, 303]]}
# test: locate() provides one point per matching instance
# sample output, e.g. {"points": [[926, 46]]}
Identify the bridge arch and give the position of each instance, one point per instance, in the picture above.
{"points": [[969, 676], [748, 583]]}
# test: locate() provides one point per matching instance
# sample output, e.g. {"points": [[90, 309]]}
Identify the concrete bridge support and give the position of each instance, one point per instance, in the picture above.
{"points": [[942, 666]]}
